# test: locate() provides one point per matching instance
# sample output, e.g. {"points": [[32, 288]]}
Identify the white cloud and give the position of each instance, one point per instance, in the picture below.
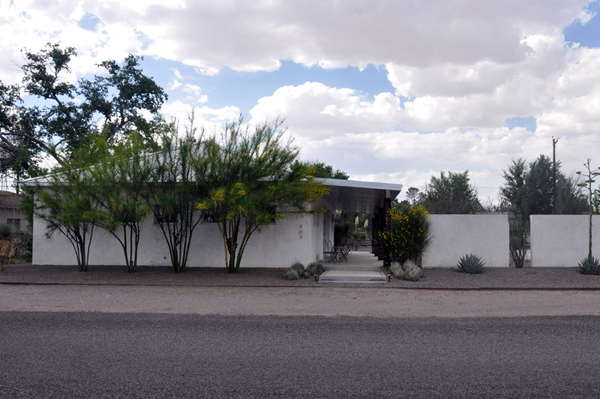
{"points": [[255, 36], [459, 68]]}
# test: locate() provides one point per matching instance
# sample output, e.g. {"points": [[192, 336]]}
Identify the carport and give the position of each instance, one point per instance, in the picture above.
{"points": [[362, 197]]}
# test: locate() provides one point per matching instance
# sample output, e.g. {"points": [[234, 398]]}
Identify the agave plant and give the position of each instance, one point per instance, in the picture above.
{"points": [[471, 264], [589, 265]]}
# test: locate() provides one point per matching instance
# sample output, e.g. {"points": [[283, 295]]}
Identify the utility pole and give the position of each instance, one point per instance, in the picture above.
{"points": [[555, 204]]}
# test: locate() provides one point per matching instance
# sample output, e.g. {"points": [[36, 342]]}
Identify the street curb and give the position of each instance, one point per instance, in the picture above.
{"points": [[321, 286]]}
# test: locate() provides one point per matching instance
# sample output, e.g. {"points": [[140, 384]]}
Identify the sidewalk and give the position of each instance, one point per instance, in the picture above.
{"points": [[436, 278]]}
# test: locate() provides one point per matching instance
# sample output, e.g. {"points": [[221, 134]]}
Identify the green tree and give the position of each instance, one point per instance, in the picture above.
{"points": [[412, 194], [70, 112], [529, 189], [253, 183], [539, 187], [450, 194], [320, 169], [64, 200], [177, 183], [120, 177]]}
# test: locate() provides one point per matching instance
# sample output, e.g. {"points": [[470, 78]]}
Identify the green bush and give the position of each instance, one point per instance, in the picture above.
{"points": [[471, 264], [315, 268], [408, 238], [408, 271], [23, 245], [589, 265], [297, 270], [290, 274], [6, 230]]}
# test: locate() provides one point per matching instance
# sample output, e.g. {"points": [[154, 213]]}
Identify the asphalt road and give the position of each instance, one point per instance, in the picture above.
{"points": [[150, 355]]}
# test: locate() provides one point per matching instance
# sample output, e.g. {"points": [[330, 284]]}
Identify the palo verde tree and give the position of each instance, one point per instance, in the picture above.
{"points": [[66, 113], [176, 184], [65, 201], [120, 177], [253, 183]]}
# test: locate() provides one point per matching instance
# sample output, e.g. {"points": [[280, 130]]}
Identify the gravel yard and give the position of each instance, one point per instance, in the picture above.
{"points": [[436, 278]]}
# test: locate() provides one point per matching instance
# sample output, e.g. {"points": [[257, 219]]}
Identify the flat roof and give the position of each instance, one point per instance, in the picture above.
{"points": [[358, 196]]}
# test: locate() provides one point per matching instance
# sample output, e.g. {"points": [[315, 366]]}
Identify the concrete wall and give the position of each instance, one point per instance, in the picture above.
{"points": [[278, 245], [562, 240], [454, 236]]}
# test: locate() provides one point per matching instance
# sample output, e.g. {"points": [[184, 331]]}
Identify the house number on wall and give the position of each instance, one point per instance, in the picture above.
{"points": [[300, 232]]}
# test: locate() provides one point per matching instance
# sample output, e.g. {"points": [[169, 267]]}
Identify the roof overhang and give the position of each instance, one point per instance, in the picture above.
{"points": [[358, 196]]}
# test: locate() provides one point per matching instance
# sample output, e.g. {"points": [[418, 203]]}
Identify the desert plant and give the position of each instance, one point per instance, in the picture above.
{"points": [[297, 270], [315, 268], [408, 271], [589, 265], [589, 260], [408, 237], [291, 274], [518, 243], [23, 244], [471, 264]]}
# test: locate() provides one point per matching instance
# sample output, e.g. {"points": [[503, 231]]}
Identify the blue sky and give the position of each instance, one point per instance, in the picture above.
{"points": [[392, 92]]}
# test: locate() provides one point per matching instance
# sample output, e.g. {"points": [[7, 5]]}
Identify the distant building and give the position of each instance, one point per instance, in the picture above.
{"points": [[9, 210]]}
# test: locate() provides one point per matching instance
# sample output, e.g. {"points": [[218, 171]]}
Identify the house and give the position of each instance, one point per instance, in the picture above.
{"points": [[295, 238], [9, 210]]}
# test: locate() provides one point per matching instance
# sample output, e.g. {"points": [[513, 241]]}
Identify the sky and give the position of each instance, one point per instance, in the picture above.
{"points": [[392, 91]]}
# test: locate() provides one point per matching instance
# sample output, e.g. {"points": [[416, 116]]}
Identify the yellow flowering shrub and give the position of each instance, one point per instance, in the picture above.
{"points": [[408, 236]]}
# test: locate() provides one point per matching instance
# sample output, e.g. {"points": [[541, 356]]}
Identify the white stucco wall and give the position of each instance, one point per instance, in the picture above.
{"points": [[562, 240], [298, 237], [454, 236]]}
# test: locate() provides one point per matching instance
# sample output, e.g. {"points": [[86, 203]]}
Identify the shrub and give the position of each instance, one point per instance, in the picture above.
{"points": [[6, 231], [23, 244], [297, 270], [589, 265], [290, 274], [517, 242], [408, 238], [315, 268], [408, 271], [471, 264], [298, 267]]}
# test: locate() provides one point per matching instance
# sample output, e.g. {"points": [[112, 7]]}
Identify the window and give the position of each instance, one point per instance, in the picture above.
{"points": [[15, 222]]}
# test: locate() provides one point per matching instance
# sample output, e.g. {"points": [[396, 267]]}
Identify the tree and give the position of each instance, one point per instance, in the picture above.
{"points": [[111, 104], [320, 169], [176, 185], [253, 183], [539, 187], [65, 202], [412, 194], [529, 189], [120, 177], [450, 194], [513, 191]]}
